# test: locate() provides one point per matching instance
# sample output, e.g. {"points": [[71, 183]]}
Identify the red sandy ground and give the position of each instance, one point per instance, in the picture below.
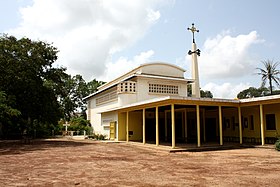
{"points": [[91, 163]]}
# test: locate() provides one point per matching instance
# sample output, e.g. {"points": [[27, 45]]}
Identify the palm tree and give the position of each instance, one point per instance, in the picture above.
{"points": [[269, 73]]}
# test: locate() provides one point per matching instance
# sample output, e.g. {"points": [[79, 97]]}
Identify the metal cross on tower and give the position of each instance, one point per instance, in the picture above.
{"points": [[194, 52], [193, 30]]}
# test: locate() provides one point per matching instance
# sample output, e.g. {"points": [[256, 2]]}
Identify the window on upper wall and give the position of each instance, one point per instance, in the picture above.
{"points": [[107, 97], [127, 87], [163, 89], [270, 122]]}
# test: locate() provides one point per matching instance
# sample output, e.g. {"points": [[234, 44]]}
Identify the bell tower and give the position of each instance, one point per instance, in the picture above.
{"points": [[194, 52]]}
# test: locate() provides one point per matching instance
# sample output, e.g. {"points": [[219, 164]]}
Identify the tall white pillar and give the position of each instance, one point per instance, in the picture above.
{"points": [[195, 75]]}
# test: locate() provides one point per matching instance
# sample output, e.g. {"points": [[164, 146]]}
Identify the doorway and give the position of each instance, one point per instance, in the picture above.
{"points": [[210, 129]]}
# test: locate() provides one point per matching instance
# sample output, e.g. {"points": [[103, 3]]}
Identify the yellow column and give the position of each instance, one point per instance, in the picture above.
{"points": [[127, 133], [157, 134], [240, 124], [144, 126], [173, 125], [220, 125], [198, 125], [262, 124]]}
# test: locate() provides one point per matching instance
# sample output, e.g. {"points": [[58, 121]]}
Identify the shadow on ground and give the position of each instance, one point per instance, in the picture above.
{"points": [[11, 147]]}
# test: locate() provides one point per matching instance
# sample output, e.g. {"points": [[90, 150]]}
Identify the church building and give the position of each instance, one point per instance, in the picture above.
{"points": [[150, 104]]}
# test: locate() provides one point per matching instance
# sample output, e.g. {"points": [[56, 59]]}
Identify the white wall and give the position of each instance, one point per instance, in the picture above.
{"points": [[95, 116], [142, 93], [143, 88], [127, 98], [163, 69]]}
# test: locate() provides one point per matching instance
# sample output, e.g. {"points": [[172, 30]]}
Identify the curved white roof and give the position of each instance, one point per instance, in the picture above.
{"points": [[156, 69]]}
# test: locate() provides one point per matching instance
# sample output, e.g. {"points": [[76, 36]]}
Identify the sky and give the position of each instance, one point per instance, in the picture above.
{"points": [[103, 39]]}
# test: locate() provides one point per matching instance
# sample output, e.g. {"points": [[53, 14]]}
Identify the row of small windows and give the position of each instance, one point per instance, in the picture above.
{"points": [[163, 89], [127, 87], [107, 97]]}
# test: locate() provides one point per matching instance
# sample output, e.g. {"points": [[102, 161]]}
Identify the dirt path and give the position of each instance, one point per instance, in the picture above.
{"points": [[90, 163]]}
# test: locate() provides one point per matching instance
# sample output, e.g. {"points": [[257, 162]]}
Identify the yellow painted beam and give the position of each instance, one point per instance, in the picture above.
{"points": [[144, 126], [220, 125], [198, 125], [127, 132], [157, 131], [240, 124], [173, 125], [262, 124]]}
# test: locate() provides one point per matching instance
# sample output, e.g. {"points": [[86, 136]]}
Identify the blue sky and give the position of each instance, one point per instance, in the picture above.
{"points": [[103, 39]]}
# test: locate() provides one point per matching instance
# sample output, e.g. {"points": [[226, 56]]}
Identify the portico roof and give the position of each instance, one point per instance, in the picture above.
{"points": [[167, 100]]}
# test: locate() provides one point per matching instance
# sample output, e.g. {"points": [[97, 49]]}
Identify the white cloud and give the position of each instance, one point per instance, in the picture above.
{"points": [[87, 32], [123, 65], [226, 64], [225, 90], [225, 56]]}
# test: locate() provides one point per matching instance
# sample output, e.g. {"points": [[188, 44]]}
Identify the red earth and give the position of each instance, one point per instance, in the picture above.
{"points": [[62, 162]]}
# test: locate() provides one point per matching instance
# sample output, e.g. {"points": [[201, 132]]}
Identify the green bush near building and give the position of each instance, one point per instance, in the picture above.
{"points": [[277, 145]]}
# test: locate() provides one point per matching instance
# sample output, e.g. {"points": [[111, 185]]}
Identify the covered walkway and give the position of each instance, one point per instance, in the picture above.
{"points": [[187, 121]]}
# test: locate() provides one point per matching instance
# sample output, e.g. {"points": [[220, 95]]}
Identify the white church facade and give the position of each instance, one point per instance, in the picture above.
{"points": [[150, 104], [148, 82]]}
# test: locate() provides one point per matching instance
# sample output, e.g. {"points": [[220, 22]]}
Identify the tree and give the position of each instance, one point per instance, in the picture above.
{"points": [[269, 73], [253, 92], [93, 85], [70, 93], [31, 85], [6, 111], [71, 97], [25, 69], [205, 94]]}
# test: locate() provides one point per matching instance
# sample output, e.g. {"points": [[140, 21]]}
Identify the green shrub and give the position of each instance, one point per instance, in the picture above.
{"points": [[277, 145], [79, 125], [100, 137], [97, 136]]}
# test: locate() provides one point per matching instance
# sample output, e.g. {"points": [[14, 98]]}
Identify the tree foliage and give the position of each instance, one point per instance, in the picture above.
{"points": [[206, 94], [72, 93], [34, 95], [253, 92], [25, 66], [203, 94], [93, 85], [269, 73], [6, 110]]}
